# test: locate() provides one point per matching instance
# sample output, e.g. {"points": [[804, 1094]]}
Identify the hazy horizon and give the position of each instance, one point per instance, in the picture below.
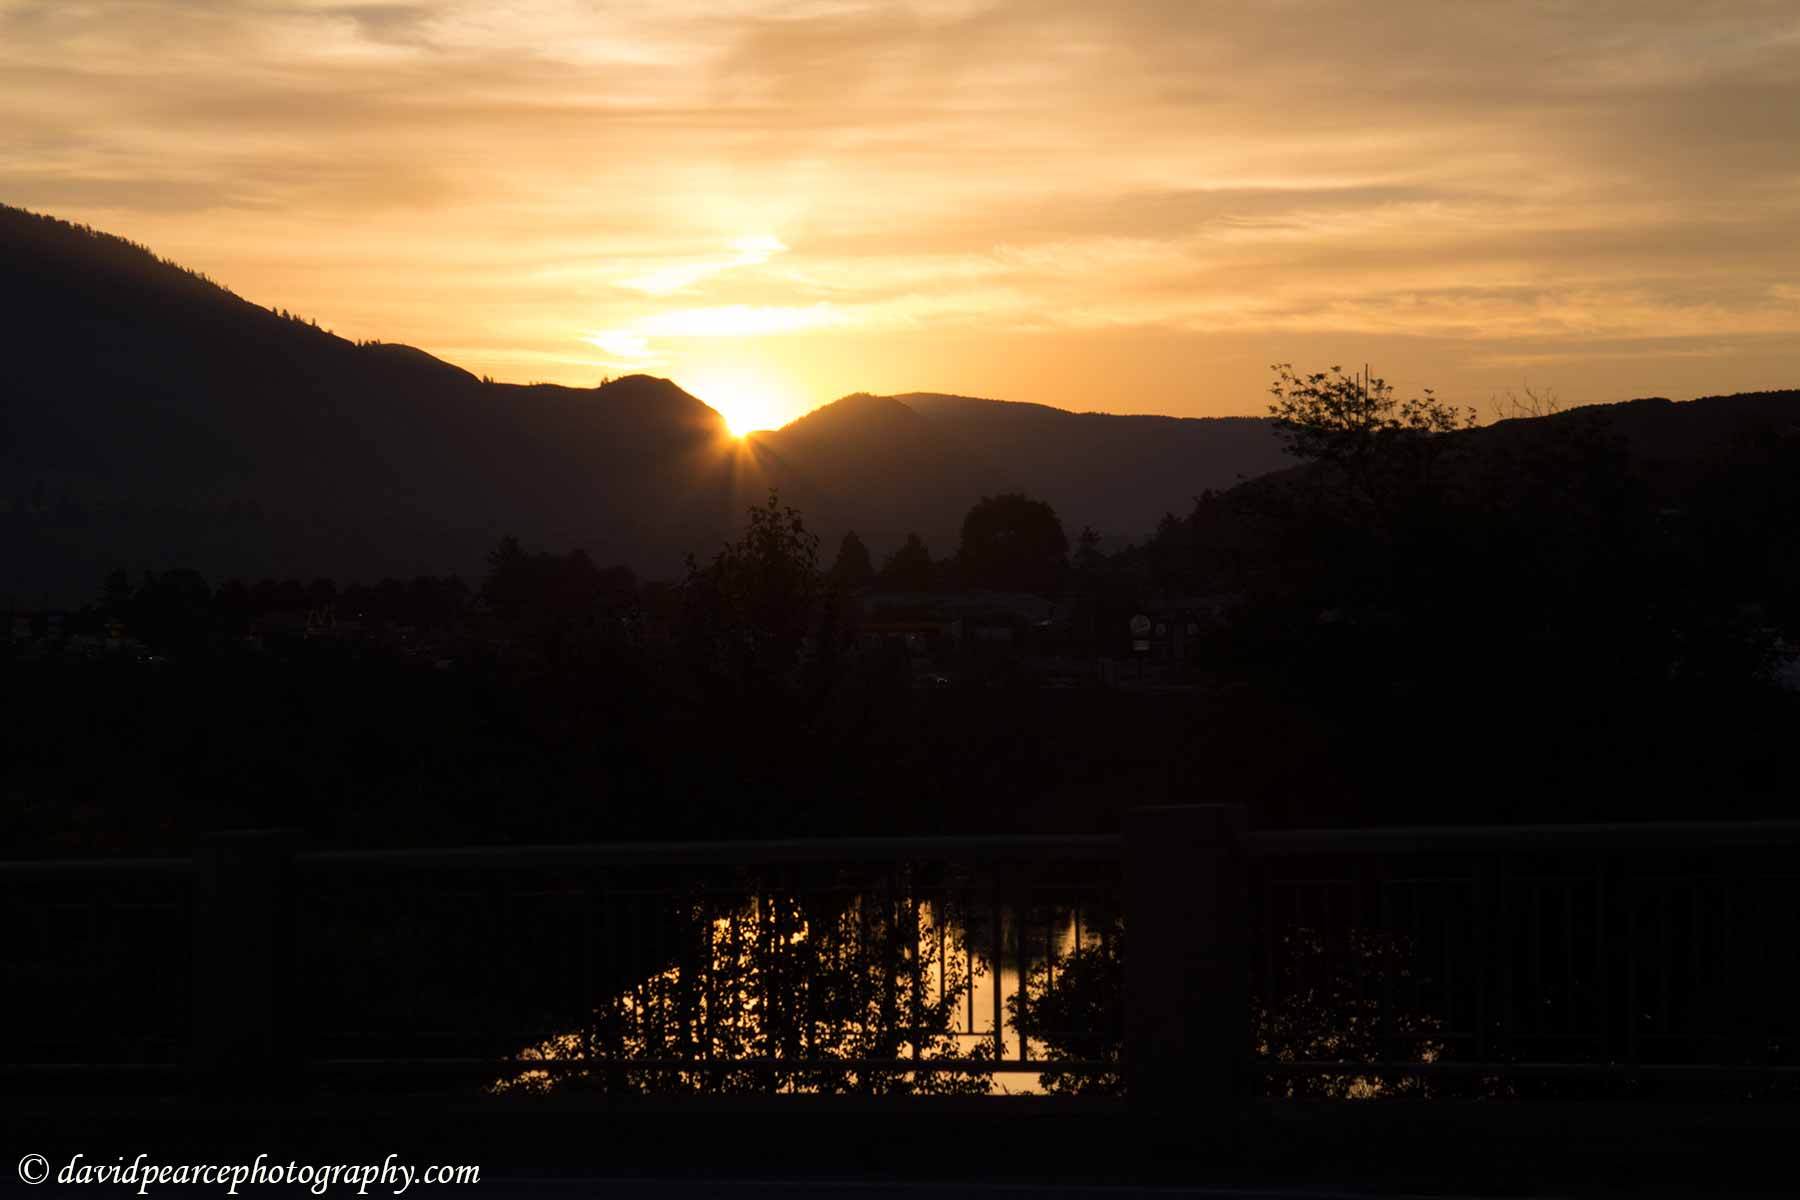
{"points": [[1134, 209]]}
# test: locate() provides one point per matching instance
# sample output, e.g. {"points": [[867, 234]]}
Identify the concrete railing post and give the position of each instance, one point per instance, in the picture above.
{"points": [[244, 960], [1187, 1013]]}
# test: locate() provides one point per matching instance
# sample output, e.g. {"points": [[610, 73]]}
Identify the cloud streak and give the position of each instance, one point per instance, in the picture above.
{"points": [[680, 276], [519, 185]]}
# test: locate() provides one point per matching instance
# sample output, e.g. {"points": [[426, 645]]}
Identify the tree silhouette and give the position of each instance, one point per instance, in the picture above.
{"points": [[805, 989], [1380, 444], [544, 586], [1011, 542], [1323, 1005], [852, 568], [551, 605], [173, 609], [1076, 1008], [1088, 555], [746, 615], [910, 567]]}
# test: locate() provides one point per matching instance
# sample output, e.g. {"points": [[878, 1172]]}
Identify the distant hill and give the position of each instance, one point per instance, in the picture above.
{"points": [[150, 418], [917, 462], [880, 468], [1119, 474], [1672, 445]]}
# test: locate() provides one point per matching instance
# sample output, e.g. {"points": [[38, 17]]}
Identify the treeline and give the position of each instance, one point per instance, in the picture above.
{"points": [[178, 610], [109, 253], [582, 704], [120, 256], [548, 601], [1531, 620], [1528, 621]]}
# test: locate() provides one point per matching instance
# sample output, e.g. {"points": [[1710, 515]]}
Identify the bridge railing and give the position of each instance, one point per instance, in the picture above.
{"points": [[1423, 961], [1520, 960], [97, 968], [837, 965]]}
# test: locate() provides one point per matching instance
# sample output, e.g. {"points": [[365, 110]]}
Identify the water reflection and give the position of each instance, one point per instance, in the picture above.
{"points": [[861, 993], [853, 990]]}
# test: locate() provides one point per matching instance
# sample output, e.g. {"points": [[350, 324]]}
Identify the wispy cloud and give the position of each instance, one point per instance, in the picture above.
{"points": [[854, 191], [627, 345], [676, 277]]}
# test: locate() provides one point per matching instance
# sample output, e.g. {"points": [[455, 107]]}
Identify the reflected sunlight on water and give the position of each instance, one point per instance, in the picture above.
{"points": [[872, 993], [794, 995]]}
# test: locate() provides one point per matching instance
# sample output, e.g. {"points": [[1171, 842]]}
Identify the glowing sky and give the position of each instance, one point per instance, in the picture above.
{"points": [[1118, 206]]}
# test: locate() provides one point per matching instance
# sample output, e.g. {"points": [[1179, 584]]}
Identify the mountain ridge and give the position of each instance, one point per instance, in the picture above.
{"points": [[162, 420], [156, 419], [1117, 473]]}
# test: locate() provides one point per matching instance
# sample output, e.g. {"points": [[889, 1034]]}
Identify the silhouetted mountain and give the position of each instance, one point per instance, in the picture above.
{"points": [[152, 418], [891, 464], [883, 470], [1119, 474], [1670, 445]]}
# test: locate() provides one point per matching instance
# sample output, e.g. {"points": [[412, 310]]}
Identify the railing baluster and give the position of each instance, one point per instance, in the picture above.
{"points": [[999, 1030], [1485, 932], [1359, 970], [1268, 936], [1415, 928], [585, 1002], [1019, 939], [969, 961], [1388, 965], [1602, 987], [918, 975], [939, 918], [1665, 954], [1633, 1056], [1697, 1015], [1542, 977], [1568, 929]]}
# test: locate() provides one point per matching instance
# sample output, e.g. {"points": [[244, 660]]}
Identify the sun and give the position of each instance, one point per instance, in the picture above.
{"points": [[746, 399]]}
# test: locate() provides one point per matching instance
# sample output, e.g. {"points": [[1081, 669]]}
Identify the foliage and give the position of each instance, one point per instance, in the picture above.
{"points": [[1170, 553], [521, 584], [175, 607], [557, 606], [852, 568], [1088, 556], [1427, 579], [748, 615], [1379, 444], [1013, 543], [812, 987], [1609, 619], [909, 568], [1326, 1007], [1076, 1010]]}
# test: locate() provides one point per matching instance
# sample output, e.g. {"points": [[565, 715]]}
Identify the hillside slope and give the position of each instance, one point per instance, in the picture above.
{"points": [[880, 468], [1118, 473], [918, 462], [156, 419]]}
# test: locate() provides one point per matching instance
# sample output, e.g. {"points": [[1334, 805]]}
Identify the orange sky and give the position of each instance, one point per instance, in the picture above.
{"points": [[1120, 206]]}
